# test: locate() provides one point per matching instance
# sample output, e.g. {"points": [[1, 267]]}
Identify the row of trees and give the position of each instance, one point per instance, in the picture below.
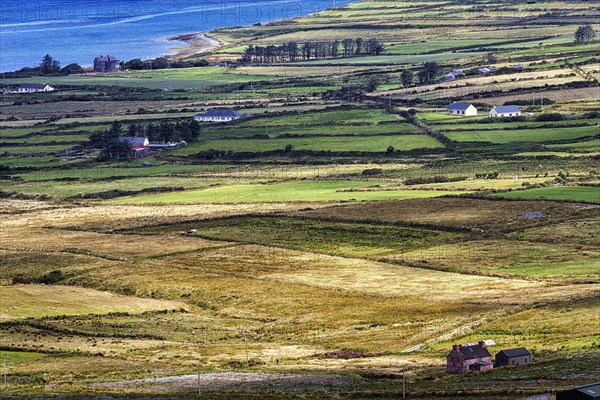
{"points": [[312, 50], [164, 132]]}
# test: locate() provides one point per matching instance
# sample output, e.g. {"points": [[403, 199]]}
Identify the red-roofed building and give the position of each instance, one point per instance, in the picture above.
{"points": [[139, 152]]}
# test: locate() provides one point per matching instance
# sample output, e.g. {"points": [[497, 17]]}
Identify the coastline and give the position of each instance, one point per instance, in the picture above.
{"points": [[197, 43], [202, 42]]}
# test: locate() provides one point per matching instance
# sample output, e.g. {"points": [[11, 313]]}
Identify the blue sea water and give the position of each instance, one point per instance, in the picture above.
{"points": [[78, 30]]}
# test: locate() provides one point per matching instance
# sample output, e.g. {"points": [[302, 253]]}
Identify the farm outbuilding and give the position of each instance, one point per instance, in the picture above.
{"points": [[462, 109], [453, 75], [488, 69], [137, 152], [505, 111], [588, 392], [135, 141], [220, 115], [518, 356], [469, 358]]}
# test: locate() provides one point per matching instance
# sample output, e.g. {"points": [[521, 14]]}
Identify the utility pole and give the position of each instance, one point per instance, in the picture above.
{"points": [[247, 360], [403, 382], [199, 391]]}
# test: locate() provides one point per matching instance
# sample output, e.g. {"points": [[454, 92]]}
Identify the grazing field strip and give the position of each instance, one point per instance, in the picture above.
{"points": [[344, 239], [44, 140], [474, 126], [337, 144], [42, 301], [317, 191], [108, 173], [573, 193], [110, 188], [459, 214], [584, 147], [325, 118], [524, 135], [399, 128], [564, 95]]}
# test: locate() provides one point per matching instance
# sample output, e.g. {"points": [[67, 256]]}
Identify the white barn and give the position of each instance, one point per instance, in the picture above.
{"points": [[135, 141], [505, 111], [34, 88], [462, 109], [220, 115]]}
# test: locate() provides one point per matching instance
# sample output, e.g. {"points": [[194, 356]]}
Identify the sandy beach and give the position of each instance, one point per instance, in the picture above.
{"points": [[197, 43]]}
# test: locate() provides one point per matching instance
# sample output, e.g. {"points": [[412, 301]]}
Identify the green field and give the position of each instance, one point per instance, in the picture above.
{"points": [[372, 144], [457, 126], [326, 118], [189, 78], [283, 192], [574, 193], [320, 130], [523, 135], [351, 240]]}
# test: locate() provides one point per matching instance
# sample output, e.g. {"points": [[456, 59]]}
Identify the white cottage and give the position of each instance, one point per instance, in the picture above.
{"points": [[462, 109], [220, 115], [505, 111], [34, 88]]}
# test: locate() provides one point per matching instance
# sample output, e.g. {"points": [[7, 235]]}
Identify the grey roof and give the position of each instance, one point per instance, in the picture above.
{"points": [[507, 109], [474, 351], [106, 58], [518, 352], [222, 113], [589, 392], [459, 106], [33, 86], [136, 141]]}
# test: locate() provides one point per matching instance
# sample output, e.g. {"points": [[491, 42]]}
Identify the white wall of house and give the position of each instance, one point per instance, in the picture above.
{"points": [[46, 88], [215, 119], [496, 114], [469, 112]]}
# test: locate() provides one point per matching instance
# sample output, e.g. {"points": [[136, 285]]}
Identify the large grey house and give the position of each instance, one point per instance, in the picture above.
{"points": [[106, 64]]}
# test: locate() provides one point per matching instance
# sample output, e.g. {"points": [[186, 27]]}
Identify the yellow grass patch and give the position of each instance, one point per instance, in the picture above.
{"points": [[42, 301]]}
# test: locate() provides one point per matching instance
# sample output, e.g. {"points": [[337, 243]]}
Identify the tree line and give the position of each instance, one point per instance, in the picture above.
{"points": [[48, 66], [163, 132], [312, 50]]}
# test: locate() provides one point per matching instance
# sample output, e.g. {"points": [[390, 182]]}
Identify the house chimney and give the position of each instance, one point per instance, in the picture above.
{"points": [[482, 344]]}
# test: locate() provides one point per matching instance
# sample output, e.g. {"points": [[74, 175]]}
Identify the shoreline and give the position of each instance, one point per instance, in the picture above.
{"points": [[197, 43]]}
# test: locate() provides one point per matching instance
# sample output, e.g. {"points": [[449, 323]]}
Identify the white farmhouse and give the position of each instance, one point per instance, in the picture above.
{"points": [[34, 88], [505, 111], [462, 109], [220, 115]]}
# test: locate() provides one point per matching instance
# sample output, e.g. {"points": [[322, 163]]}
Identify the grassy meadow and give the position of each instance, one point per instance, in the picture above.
{"points": [[343, 237]]}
